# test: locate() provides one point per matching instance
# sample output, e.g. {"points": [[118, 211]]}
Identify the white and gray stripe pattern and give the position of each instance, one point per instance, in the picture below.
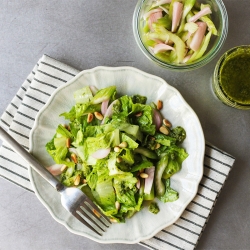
{"points": [[19, 118]]}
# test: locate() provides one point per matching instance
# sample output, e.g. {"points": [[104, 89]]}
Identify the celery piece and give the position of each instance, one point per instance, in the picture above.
{"points": [[103, 94], [160, 187], [83, 95], [149, 43], [156, 5], [162, 34], [163, 56], [165, 22], [62, 131], [146, 152], [188, 5], [173, 56], [151, 196], [199, 53], [184, 36], [209, 23], [189, 15], [191, 27], [145, 27], [204, 6], [165, 7]]}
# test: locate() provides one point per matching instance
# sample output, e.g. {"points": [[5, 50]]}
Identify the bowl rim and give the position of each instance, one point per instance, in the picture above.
{"points": [[182, 67]]}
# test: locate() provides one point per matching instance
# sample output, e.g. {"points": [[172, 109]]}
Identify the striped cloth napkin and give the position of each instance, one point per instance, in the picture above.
{"points": [[19, 117]]}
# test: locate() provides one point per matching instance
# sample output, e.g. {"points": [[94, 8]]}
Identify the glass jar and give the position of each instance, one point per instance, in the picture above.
{"points": [[231, 79], [219, 18]]}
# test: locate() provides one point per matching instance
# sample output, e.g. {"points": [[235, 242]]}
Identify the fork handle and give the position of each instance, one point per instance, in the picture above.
{"points": [[33, 162]]}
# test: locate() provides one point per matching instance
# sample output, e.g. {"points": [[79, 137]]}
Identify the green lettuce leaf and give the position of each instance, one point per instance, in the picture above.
{"points": [[127, 156], [112, 166], [142, 165], [132, 144], [101, 141], [176, 157], [125, 189], [101, 185], [85, 108], [178, 133], [60, 152], [139, 99], [71, 115], [145, 121], [133, 130], [165, 139], [170, 194]]}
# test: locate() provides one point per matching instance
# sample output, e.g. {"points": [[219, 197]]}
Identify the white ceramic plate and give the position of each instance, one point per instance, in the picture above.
{"points": [[129, 81]]}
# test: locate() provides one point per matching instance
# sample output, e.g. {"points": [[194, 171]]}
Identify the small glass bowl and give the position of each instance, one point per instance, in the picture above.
{"points": [[243, 50], [219, 18]]}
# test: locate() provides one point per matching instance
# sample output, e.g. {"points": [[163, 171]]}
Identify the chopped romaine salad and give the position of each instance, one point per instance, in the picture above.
{"points": [[119, 151]]}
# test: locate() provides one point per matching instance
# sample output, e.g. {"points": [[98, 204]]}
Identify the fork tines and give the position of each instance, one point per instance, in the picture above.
{"points": [[90, 216]]}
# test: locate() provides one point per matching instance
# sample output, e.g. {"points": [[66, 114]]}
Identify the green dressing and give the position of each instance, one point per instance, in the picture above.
{"points": [[234, 76]]}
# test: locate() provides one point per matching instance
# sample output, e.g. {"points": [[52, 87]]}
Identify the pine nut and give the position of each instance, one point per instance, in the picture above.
{"points": [[144, 175], [98, 116], [77, 180], [116, 149], [68, 142], [74, 158], [117, 205], [63, 168], [138, 183], [167, 123], [123, 144], [164, 130], [66, 126], [159, 105], [90, 117], [138, 114], [84, 181], [113, 220], [157, 145], [118, 159]]}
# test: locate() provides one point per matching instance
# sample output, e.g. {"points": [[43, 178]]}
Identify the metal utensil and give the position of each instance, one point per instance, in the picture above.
{"points": [[72, 199]]}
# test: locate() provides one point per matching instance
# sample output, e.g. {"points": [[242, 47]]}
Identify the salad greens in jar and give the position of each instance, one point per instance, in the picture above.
{"points": [[119, 150]]}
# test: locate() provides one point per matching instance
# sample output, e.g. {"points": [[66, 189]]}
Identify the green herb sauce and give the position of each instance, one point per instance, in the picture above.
{"points": [[234, 76]]}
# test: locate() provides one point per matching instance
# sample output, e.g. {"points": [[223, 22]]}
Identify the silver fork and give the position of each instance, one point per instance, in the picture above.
{"points": [[72, 199]]}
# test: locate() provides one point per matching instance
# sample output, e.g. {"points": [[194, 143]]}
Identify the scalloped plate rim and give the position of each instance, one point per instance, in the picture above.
{"points": [[156, 230]]}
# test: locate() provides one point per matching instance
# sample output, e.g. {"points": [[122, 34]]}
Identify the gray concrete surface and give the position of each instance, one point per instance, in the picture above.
{"points": [[86, 34]]}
